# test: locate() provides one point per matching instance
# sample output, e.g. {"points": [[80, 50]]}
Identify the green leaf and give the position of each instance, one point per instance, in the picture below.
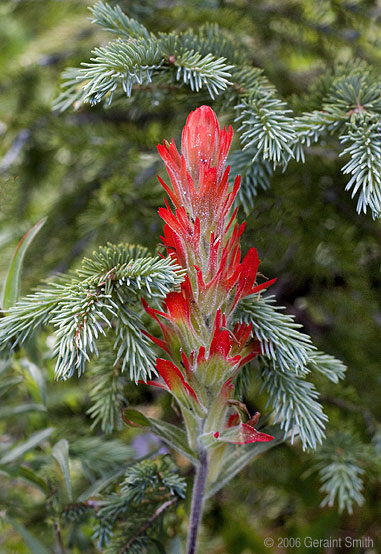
{"points": [[136, 418], [61, 453], [7, 385], [174, 437], [28, 475], [101, 484], [18, 451], [37, 376], [235, 458], [24, 474], [9, 411], [35, 546], [13, 281]]}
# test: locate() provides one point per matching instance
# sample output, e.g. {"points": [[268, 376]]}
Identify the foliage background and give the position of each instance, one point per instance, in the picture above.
{"points": [[93, 172]]}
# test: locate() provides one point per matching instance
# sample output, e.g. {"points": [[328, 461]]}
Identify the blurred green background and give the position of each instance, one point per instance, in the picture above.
{"points": [[93, 173]]}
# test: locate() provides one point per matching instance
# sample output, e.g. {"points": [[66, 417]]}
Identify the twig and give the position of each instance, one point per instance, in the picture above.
{"points": [[59, 542], [369, 419], [148, 524]]}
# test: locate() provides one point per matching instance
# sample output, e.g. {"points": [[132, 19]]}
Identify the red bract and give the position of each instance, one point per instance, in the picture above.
{"points": [[244, 434], [201, 234], [173, 378]]}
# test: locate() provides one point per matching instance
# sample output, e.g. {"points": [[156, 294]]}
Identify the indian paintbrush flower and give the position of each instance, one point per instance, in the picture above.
{"points": [[206, 351], [205, 348]]}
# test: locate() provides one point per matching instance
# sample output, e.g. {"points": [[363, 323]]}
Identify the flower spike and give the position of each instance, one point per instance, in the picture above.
{"points": [[201, 235]]}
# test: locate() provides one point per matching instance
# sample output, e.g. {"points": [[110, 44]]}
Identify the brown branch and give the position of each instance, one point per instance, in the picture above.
{"points": [[148, 524], [59, 542]]}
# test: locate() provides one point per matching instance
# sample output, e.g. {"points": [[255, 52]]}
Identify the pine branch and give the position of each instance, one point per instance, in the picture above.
{"points": [[287, 357], [254, 175], [329, 366], [269, 134], [296, 406], [198, 71], [309, 128], [133, 58], [122, 63], [99, 300], [339, 462], [266, 126], [72, 93], [209, 39], [106, 391], [75, 512], [364, 138], [134, 540], [113, 19], [283, 343], [126, 516], [247, 78], [354, 91]]}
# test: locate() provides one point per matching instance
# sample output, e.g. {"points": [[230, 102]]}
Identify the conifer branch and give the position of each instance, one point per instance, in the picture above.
{"points": [[122, 63], [296, 406], [281, 340], [266, 126], [114, 20], [340, 462], [198, 71], [309, 128], [283, 343], [211, 59], [209, 39], [106, 390], [254, 175], [98, 300], [125, 517], [364, 148], [288, 356]]}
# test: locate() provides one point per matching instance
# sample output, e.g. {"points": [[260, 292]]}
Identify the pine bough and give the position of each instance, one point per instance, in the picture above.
{"points": [[100, 299], [271, 134]]}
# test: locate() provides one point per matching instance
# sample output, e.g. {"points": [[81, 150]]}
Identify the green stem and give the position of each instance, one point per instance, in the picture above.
{"points": [[197, 501]]}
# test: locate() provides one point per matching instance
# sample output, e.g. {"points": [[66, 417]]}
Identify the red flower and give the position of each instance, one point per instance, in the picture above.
{"points": [[173, 378], [244, 434], [205, 147], [237, 432], [200, 233]]}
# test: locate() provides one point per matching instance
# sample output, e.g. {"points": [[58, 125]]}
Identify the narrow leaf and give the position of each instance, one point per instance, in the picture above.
{"points": [[101, 484], [136, 418], [35, 546], [60, 452], [7, 385], [9, 411], [13, 281], [174, 437], [37, 376], [33, 441], [28, 475]]}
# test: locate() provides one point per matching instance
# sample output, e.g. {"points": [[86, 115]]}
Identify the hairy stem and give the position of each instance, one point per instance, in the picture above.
{"points": [[197, 501]]}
